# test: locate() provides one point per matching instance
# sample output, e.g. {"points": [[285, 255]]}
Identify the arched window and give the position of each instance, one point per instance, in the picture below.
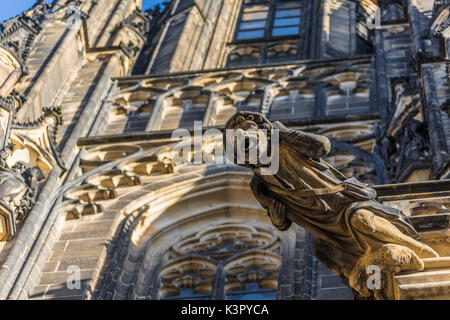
{"points": [[190, 278], [252, 276], [226, 261]]}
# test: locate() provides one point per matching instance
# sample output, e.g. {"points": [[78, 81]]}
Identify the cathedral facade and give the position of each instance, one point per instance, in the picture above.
{"points": [[95, 97]]}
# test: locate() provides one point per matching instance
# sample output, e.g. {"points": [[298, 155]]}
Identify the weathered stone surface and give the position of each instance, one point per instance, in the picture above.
{"points": [[114, 202]]}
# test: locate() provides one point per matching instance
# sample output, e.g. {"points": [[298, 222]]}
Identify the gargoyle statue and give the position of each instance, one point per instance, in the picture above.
{"points": [[352, 231]]}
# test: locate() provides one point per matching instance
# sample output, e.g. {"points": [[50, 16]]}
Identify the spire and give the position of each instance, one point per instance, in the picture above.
{"points": [[18, 33]]}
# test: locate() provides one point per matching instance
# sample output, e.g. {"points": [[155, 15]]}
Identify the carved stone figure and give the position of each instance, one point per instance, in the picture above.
{"points": [[416, 145], [17, 188], [12, 186], [352, 231]]}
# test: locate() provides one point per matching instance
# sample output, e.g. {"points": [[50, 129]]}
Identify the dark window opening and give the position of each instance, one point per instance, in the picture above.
{"points": [[188, 294], [365, 35], [269, 19], [253, 21], [252, 291]]}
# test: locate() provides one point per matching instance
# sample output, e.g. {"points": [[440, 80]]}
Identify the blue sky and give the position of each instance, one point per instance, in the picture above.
{"points": [[11, 8]]}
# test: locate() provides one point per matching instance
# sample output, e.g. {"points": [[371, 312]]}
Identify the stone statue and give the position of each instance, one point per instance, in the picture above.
{"points": [[352, 231], [17, 188]]}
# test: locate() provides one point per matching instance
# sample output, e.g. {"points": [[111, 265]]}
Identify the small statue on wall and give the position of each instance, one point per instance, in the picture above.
{"points": [[18, 186], [352, 230]]}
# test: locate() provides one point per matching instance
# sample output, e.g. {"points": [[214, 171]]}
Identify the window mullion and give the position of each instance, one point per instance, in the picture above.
{"points": [[218, 292], [239, 20], [270, 19]]}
